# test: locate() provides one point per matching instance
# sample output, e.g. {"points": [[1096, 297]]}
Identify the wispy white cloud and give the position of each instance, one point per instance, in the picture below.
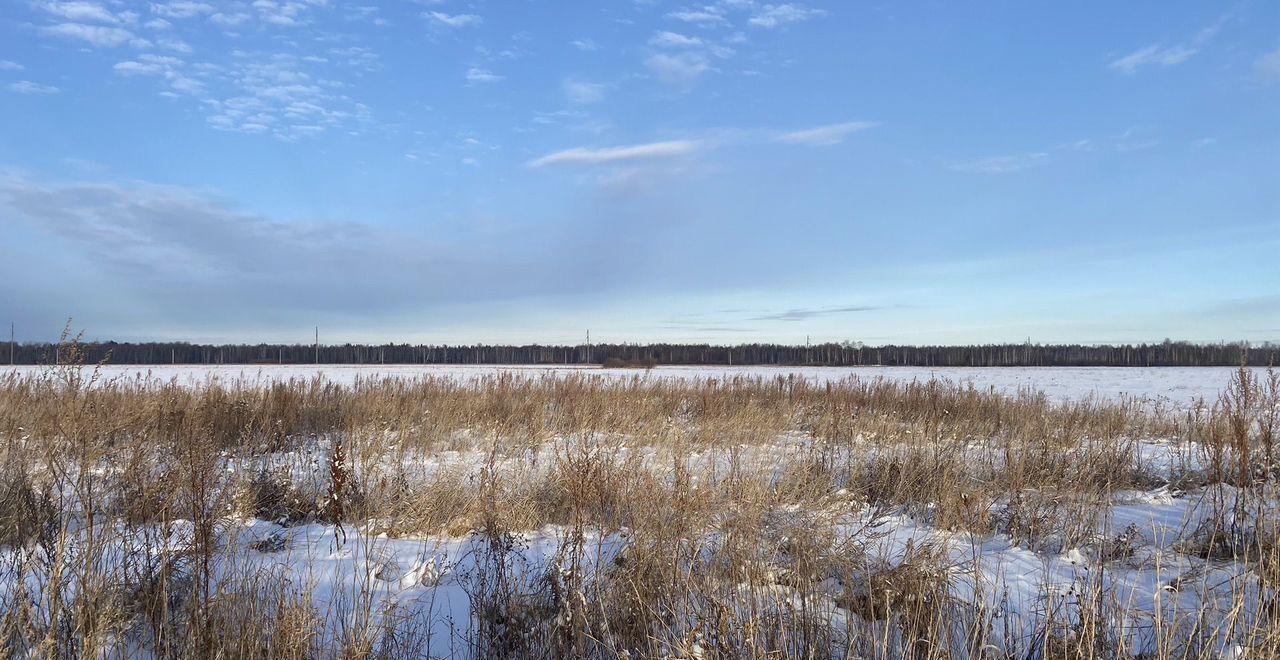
{"points": [[252, 92], [453, 20], [81, 11], [173, 44], [477, 75], [1154, 54], [825, 135], [514, 52], [275, 94], [583, 92], [1166, 56], [147, 65], [678, 69], [285, 12], [585, 45], [181, 9], [806, 313], [589, 156], [169, 68], [358, 57], [229, 19], [97, 35], [706, 16], [1133, 139], [7, 65], [1267, 67], [367, 13], [679, 58], [1002, 164], [176, 245], [28, 87], [172, 69], [771, 16], [667, 39], [560, 117]]}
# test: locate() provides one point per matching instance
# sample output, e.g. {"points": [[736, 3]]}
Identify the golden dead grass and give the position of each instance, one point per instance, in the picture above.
{"points": [[732, 500]]}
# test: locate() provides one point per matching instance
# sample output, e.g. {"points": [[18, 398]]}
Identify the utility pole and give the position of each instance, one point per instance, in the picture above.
{"points": [[12, 343], [588, 346], [317, 344]]}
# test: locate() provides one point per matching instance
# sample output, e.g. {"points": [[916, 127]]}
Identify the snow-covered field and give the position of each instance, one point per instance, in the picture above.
{"points": [[1047, 564], [1177, 387]]}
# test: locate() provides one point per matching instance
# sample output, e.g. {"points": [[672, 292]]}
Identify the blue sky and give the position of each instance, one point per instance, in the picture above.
{"points": [[725, 171]]}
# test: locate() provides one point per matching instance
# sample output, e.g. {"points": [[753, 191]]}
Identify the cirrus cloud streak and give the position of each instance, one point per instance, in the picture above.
{"points": [[587, 156]]}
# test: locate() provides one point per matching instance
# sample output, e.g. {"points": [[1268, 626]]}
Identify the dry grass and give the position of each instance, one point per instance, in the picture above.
{"points": [[744, 514]]}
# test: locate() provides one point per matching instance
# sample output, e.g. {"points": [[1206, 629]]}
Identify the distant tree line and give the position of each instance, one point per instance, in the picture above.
{"points": [[1165, 354]]}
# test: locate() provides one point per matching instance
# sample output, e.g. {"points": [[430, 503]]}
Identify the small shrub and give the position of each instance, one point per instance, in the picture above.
{"points": [[26, 515], [272, 495]]}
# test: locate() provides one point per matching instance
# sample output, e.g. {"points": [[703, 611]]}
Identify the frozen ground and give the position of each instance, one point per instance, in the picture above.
{"points": [[435, 580], [1177, 387]]}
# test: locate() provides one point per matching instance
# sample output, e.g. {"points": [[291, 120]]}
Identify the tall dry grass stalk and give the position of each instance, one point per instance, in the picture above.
{"points": [[738, 517]]}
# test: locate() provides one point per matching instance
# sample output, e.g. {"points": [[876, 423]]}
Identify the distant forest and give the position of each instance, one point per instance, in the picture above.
{"points": [[1166, 354]]}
